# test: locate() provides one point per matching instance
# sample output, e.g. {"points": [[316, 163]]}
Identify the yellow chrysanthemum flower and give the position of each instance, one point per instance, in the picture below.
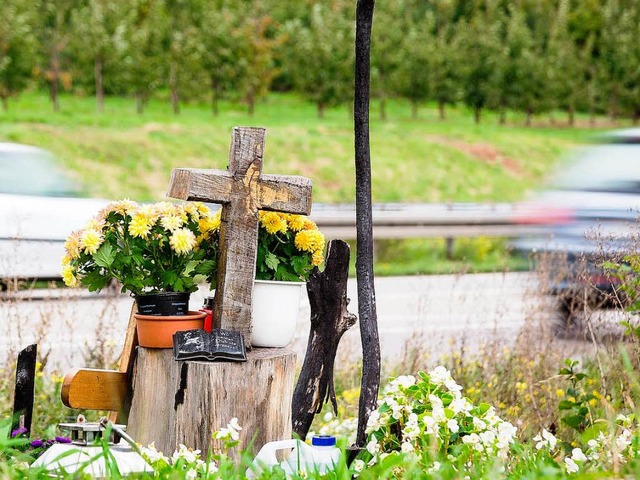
{"points": [[310, 224], [68, 276], [203, 210], [171, 222], [140, 226], [90, 241], [191, 209], [72, 245], [209, 223], [273, 222], [165, 208], [149, 213], [123, 207], [296, 222], [317, 258], [95, 224], [66, 260], [309, 241], [182, 241]]}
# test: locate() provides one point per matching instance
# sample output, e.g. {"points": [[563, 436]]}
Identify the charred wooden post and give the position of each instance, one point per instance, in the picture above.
{"points": [[24, 391], [364, 222], [329, 321]]}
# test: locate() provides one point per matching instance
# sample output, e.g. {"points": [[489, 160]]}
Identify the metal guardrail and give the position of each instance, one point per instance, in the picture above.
{"points": [[402, 220]]}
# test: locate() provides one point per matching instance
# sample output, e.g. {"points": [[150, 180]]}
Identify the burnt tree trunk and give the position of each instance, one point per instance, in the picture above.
{"points": [[25, 386], [364, 221], [330, 319]]}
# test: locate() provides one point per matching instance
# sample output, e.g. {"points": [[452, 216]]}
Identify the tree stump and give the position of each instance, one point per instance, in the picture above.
{"points": [[185, 402]]}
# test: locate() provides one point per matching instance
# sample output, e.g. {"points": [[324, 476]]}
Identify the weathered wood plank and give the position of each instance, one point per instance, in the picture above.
{"points": [[95, 389], [194, 399], [329, 321]]}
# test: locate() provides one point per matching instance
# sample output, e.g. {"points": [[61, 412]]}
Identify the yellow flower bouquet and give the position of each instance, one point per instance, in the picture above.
{"points": [[289, 247], [147, 248], [164, 247]]}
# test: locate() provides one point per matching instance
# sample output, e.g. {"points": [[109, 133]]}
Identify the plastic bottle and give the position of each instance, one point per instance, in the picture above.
{"points": [[208, 309], [325, 453], [321, 457]]}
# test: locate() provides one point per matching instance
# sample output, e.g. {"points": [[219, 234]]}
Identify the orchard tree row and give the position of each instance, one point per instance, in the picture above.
{"points": [[531, 56]]}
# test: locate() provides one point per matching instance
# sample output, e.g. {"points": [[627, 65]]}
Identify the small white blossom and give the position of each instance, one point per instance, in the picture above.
{"points": [[187, 454], [545, 439], [373, 446], [578, 456], [406, 447], [439, 375], [358, 465], [452, 425], [571, 466]]}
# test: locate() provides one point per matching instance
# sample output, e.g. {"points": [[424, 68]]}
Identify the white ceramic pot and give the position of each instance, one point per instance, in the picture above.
{"points": [[275, 312]]}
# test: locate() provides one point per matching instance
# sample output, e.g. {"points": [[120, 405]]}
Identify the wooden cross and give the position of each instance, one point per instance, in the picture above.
{"points": [[242, 190]]}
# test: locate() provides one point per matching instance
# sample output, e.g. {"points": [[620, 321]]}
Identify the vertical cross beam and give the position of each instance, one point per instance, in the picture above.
{"points": [[242, 190]]}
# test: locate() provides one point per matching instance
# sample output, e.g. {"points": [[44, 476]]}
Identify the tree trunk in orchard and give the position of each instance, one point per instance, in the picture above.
{"points": [[185, 402], [364, 222], [329, 321], [98, 71], [441, 113], [54, 73], [173, 83]]}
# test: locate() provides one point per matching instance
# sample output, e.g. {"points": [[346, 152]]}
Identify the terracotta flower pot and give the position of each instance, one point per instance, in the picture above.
{"points": [[163, 303], [157, 331]]}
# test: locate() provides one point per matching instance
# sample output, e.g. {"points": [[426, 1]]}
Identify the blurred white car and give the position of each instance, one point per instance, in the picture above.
{"points": [[39, 206], [590, 211]]}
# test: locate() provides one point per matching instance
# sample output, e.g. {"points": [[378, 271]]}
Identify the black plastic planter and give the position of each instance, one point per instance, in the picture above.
{"points": [[163, 303]]}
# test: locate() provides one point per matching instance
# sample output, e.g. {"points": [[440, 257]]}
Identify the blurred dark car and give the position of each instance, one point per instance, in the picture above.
{"points": [[589, 215], [40, 204]]}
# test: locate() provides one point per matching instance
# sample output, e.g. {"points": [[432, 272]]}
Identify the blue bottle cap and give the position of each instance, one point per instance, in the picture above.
{"points": [[323, 441]]}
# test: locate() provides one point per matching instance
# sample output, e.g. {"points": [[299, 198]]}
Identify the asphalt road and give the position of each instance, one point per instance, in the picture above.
{"points": [[434, 314]]}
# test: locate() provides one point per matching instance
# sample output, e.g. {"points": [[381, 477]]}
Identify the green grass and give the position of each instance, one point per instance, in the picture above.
{"points": [[122, 154]]}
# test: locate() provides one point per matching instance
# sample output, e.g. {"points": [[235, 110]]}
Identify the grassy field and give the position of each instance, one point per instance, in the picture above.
{"points": [[120, 153]]}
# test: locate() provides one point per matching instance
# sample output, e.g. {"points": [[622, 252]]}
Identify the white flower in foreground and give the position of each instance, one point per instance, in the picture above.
{"points": [[434, 468], [624, 440], [152, 454], [545, 439], [234, 424], [571, 466], [191, 474], [187, 454], [439, 375], [373, 446], [358, 465], [578, 456], [452, 425], [406, 447], [203, 466]]}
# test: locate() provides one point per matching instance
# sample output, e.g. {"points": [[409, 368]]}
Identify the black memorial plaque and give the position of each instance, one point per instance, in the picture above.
{"points": [[218, 345]]}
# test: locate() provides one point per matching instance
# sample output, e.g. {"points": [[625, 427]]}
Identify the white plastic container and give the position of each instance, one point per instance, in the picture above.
{"points": [[325, 453], [322, 456]]}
